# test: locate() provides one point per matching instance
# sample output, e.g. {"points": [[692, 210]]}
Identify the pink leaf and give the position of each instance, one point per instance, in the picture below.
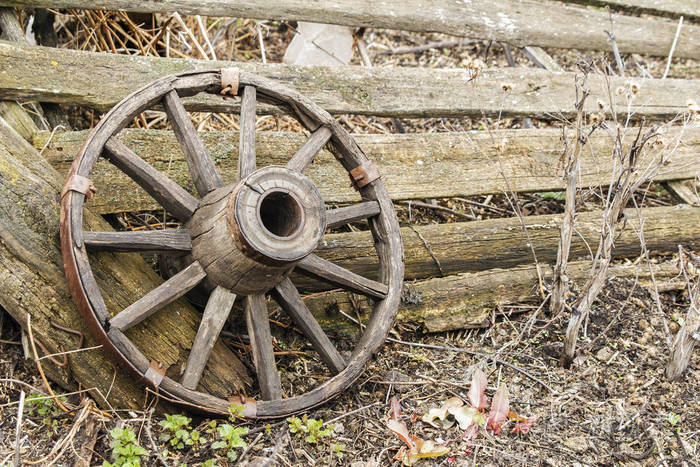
{"points": [[400, 429], [477, 398], [523, 428], [499, 409]]}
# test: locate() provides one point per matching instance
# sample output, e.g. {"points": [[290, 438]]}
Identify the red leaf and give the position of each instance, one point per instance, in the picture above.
{"points": [[400, 429], [523, 428], [477, 398], [499, 410]]}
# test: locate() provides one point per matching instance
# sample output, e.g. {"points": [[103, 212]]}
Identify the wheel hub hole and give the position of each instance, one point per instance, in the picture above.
{"points": [[281, 214]]}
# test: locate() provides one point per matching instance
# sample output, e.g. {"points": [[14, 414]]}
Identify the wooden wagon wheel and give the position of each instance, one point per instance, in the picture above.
{"points": [[239, 240]]}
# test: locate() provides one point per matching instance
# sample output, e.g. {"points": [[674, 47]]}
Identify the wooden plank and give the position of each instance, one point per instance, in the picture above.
{"points": [[470, 300], [341, 216], [303, 157], [217, 310], [289, 299], [166, 293], [336, 275], [202, 169], [246, 143], [169, 240], [673, 8], [163, 190], [385, 91], [500, 243], [261, 346], [516, 21], [413, 166], [686, 190]]}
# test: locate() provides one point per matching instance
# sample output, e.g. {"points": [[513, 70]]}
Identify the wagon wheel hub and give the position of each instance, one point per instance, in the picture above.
{"points": [[240, 242], [249, 236]]}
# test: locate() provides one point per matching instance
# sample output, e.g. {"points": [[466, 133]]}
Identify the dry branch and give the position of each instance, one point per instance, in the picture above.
{"points": [[516, 21], [28, 73], [689, 333]]}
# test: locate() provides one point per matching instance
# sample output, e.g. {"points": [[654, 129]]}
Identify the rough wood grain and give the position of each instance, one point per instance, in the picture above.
{"points": [[163, 190], [674, 8], [405, 92], [336, 275], [501, 243], [470, 300], [288, 298], [305, 154], [261, 346], [166, 293], [413, 166], [516, 21], [202, 169], [32, 281], [170, 240], [246, 143], [355, 212], [217, 310]]}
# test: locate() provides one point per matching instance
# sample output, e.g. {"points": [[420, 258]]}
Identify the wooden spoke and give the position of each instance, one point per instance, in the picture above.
{"points": [[167, 292], [246, 145], [215, 314], [288, 297], [341, 216], [202, 168], [169, 194], [337, 275], [308, 151], [261, 344], [170, 240]]}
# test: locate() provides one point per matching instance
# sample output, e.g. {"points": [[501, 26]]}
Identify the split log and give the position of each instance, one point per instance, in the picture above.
{"points": [[32, 282], [28, 74], [518, 22], [674, 8], [501, 243], [470, 300], [686, 338], [413, 166]]}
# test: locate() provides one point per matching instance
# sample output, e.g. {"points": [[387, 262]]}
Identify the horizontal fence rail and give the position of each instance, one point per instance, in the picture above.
{"points": [[100, 80], [413, 166], [519, 22]]}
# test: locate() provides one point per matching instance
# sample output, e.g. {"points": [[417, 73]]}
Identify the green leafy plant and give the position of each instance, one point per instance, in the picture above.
{"points": [[126, 451], [312, 428], [45, 407], [338, 450], [229, 440], [673, 419], [176, 430]]}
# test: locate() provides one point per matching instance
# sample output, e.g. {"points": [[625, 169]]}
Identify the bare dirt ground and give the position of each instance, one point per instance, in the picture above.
{"points": [[614, 406]]}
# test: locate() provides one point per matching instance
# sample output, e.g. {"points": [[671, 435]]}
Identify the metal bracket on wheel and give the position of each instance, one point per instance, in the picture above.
{"points": [[229, 81], [364, 174], [155, 373], [79, 184]]}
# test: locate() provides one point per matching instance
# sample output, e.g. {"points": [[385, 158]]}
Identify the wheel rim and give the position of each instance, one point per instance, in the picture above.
{"points": [[301, 220]]}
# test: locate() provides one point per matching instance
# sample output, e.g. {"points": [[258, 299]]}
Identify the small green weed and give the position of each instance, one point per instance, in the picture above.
{"points": [[312, 428], [126, 451], [229, 440], [43, 406]]}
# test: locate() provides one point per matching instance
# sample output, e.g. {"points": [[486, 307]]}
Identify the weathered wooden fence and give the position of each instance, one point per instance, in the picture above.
{"points": [[483, 265]]}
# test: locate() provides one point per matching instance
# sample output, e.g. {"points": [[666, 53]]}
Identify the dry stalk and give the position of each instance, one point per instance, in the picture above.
{"points": [[572, 166], [689, 333], [627, 177]]}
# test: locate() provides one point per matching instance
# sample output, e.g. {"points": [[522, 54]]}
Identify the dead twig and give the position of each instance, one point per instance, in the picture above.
{"points": [[572, 167], [673, 47], [18, 428]]}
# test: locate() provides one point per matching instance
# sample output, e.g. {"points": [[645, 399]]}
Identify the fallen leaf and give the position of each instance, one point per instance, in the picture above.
{"points": [[442, 412], [477, 398], [523, 428], [395, 408], [425, 449], [499, 409], [401, 430], [471, 432], [465, 416]]}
